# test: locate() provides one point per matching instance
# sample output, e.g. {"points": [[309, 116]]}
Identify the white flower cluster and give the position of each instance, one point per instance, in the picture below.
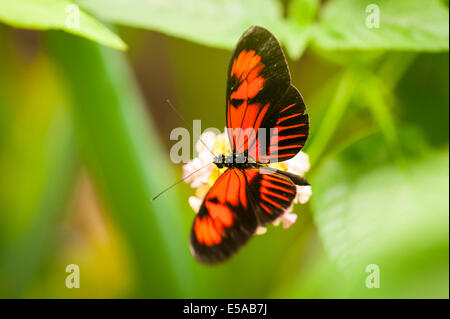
{"points": [[204, 178]]}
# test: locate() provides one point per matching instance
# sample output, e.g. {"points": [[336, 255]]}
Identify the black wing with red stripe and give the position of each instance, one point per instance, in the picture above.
{"points": [[225, 221], [271, 192], [290, 129], [260, 96], [238, 202]]}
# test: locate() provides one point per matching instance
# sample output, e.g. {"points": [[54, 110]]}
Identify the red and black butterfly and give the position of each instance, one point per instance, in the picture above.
{"points": [[249, 194]]}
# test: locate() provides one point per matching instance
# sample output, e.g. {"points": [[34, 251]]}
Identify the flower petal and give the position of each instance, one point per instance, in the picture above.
{"points": [[261, 230], [303, 194], [299, 164], [195, 203], [208, 138], [288, 219]]}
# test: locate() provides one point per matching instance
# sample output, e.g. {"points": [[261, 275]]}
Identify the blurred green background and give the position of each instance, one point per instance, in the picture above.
{"points": [[84, 146]]}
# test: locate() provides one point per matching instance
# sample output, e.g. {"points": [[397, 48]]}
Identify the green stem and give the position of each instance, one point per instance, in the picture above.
{"points": [[333, 116], [377, 93]]}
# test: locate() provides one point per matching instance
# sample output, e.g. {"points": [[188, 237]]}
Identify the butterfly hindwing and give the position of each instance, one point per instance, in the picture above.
{"points": [[225, 220], [270, 191], [290, 129], [258, 77]]}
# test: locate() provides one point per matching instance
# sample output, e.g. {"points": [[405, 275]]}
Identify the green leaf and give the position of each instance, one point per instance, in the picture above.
{"points": [[423, 96], [299, 26], [215, 23], [373, 93], [403, 25], [370, 211], [303, 12], [57, 14]]}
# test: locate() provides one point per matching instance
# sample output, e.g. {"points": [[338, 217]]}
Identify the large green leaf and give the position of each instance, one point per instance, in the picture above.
{"points": [[404, 25], [299, 26], [369, 210], [57, 14], [216, 23]]}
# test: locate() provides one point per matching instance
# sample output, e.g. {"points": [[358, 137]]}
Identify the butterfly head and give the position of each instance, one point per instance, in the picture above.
{"points": [[220, 161]]}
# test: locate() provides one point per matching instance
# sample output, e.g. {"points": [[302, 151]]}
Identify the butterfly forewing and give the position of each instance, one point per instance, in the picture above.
{"points": [[225, 220], [260, 96], [258, 77]]}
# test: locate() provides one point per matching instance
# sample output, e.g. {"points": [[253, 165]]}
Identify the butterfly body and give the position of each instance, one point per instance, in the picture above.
{"points": [[266, 123], [239, 161]]}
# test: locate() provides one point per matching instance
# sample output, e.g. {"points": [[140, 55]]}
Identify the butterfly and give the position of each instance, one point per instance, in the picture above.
{"points": [[259, 98]]}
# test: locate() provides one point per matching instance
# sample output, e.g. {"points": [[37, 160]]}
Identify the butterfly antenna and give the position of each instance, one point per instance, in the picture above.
{"points": [[166, 189], [189, 125]]}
